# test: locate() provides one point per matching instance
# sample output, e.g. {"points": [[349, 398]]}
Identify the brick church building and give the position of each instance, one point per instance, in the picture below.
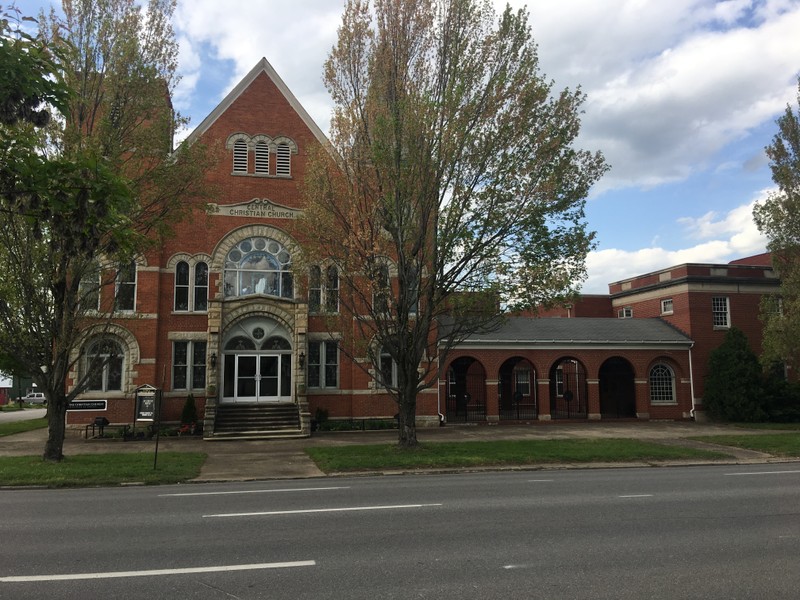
{"points": [[217, 311]]}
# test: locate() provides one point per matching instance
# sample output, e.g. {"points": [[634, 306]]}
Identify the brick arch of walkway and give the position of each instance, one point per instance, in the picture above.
{"points": [[559, 384]]}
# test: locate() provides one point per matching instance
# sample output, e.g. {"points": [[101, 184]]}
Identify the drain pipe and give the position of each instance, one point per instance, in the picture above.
{"points": [[439, 403], [691, 383], [442, 418]]}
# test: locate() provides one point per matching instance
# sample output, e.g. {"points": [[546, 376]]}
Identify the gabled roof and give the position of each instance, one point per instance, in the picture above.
{"points": [[262, 66], [580, 332]]}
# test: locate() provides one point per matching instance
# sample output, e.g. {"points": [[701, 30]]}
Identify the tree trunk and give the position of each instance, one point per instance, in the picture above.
{"points": [[407, 422], [56, 430]]}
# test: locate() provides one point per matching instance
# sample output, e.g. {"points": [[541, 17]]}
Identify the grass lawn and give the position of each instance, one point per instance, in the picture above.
{"points": [[84, 470], [498, 453], [21, 426], [779, 444], [14, 406], [775, 426]]}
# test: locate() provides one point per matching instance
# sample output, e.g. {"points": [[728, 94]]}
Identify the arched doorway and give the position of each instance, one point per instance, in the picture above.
{"points": [[466, 391], [568, 391], [257, 363], [517, 390], [617, 390]]}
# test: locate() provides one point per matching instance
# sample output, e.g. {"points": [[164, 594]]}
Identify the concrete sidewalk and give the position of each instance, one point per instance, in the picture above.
{"points": [[245, 460]]}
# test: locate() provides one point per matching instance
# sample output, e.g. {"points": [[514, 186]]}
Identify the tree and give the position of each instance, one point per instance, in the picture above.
{"points": [[734, 386], [453, 190], [87, 190], [779, 219]]}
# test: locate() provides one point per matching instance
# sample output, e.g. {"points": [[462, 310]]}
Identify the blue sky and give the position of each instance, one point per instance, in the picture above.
{"points": [[682, 99]]}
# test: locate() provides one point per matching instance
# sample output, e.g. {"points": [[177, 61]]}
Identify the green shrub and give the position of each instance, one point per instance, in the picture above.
{"points": [[189, 413], [734, 387], [782, 400]]}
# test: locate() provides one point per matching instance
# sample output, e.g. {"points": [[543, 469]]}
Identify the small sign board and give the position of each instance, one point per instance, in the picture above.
{"points": [[146, 403], [88, 405]]}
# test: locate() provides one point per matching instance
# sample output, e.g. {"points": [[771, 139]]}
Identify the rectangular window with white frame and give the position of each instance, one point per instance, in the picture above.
{"points": [[188, 365], [559, 382], [666, 306], [323, 364], [523, 381], [720, 308]]}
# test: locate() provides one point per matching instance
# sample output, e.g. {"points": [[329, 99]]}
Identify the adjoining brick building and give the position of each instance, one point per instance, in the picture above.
{"points": [[217, 311]]}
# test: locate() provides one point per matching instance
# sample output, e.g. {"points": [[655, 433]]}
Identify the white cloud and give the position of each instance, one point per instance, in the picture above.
{"points": [[670, 84], [733, 235], [294, 37]]}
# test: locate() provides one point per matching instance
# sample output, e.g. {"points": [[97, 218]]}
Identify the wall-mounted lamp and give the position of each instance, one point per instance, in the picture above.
{"points": [[302, 359], [214, 360]]}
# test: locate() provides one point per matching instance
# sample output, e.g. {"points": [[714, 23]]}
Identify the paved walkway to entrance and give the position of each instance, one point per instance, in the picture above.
{"points": [[240, 460]]}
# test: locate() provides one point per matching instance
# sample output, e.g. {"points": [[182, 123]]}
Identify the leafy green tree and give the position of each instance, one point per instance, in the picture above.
{"points": [[88, 187], [779, 218], [734, 386], [453, 188]]}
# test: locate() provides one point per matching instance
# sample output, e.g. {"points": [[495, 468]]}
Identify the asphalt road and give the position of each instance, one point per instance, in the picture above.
{"points": [[682, 532], [22, 415]]}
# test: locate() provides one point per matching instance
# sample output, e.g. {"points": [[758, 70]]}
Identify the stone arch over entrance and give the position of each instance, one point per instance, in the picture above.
{"points": [[617, 389], [466, 391], [256, 362], [569, 393], [516, 389]]}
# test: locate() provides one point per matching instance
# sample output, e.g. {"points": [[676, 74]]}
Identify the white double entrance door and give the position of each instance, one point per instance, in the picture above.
{"points": [[257, 378]]}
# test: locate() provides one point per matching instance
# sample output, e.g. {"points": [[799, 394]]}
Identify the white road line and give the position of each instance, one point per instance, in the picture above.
{"points": [[637, 496], [318, 510], [762, 473], [539, 480], [315, 489], [156, 572]]}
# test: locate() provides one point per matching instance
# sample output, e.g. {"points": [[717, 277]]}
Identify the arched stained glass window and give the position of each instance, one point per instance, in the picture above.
{"points": [[104, 363], [182, 286], [259, 265], [240, 343], [201, 286]]}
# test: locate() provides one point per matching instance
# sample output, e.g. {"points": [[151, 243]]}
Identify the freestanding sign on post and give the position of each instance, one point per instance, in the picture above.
{"points": [[146, 403], [148, 408]]}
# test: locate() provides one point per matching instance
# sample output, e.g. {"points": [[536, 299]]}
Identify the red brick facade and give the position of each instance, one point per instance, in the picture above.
{"points": [[226, 343]]}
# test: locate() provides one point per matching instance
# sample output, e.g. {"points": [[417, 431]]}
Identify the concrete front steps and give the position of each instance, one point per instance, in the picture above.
{"points": [[257, 422]]}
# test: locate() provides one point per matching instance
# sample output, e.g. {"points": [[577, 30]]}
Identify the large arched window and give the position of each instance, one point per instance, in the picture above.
{"points": [[104, 364], [662, 385], [259, 265]]}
